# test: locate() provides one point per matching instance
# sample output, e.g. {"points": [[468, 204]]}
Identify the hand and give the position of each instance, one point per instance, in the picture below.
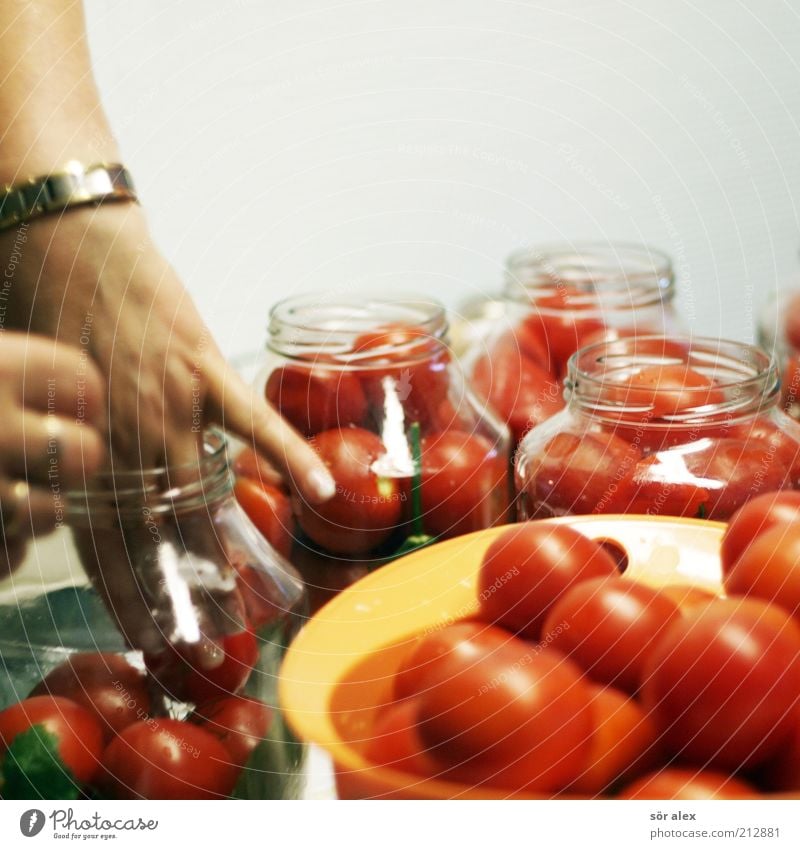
{"points": [[102, 284], [51, 396]]}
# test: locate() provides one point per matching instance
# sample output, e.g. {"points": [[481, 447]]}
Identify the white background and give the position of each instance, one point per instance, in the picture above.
{"points": [[294, 145]]}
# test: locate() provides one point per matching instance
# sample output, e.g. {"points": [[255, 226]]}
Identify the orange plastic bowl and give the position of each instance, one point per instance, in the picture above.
{"points": [[338, 672]]}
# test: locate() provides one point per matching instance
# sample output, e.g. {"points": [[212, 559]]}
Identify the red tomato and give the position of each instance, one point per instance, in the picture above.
{"points": [[658, 493], [248, 464], [723, 681], [168, 759], [769, 568], [522, 392], [688, 785], [204, 672], [514, 717], [464, 484], [608, 626], [757, 516], [393, 343], [269, 510], [77, 731], [314, 399], [533, 346], [529, 567], [739, 469], [559, 325], [777, 446], [464, 641], [592, 473], [406, 364], [665, 390], [238, 656], [622, 745], [781, 774], [419, 390], [240, 723], [366, 508], [105, 684], [395, 742]]}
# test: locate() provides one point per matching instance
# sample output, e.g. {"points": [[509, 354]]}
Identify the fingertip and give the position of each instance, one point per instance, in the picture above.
{"points": [[320, 485]]}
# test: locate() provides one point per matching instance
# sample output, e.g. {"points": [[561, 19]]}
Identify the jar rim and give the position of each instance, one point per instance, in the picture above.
{"points": [[209, 475], [609, 275], [321, 325], [748, 369]]}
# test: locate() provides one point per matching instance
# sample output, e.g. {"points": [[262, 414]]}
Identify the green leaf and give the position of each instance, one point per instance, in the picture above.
{"points": [[33, 768], [701, 511]]}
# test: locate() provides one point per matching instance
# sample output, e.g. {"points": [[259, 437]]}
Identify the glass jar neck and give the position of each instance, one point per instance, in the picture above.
{"points": [[589, 275], [357, 333], [175, 489], [743, 380]]}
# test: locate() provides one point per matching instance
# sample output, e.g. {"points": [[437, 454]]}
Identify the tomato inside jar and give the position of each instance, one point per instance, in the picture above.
{"points": [[558, 299], [661, 426], [372, 385]]}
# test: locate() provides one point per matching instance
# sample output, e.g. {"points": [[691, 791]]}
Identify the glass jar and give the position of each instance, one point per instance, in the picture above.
{"points": [[372, 385], [176, 639], [661, 425], [560, 298]]}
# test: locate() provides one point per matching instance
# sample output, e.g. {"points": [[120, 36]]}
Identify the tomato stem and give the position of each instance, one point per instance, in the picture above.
{"points": [[418, 538], [416, 481]]}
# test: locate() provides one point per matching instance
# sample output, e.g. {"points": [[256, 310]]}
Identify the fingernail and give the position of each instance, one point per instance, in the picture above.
{"points": [[322, 484]]}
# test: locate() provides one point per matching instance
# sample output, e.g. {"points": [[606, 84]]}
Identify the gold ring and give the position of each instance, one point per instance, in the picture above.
{"points": [[10, 508]]}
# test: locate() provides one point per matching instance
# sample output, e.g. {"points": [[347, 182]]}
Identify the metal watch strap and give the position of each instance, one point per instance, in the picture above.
{"points": [[75, 186]]}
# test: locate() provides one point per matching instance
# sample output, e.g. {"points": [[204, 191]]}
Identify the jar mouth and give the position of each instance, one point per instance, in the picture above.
{"points": [[740, 378], [576, 276], [162, 489], [353, 332]]}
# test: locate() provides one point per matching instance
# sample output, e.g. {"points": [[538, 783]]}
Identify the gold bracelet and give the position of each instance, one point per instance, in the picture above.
{"points": [[75, 186]]}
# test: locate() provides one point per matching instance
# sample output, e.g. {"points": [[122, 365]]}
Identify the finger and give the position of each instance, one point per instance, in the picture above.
{"points": [[50, 449], [109, 557], [136, 439], [61, 379], [238, 408]]}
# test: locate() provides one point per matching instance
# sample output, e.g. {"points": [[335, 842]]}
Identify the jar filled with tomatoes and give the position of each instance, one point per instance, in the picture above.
{"points": [[661, 425], [158, 677], [560, 298], [372, 385]]}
